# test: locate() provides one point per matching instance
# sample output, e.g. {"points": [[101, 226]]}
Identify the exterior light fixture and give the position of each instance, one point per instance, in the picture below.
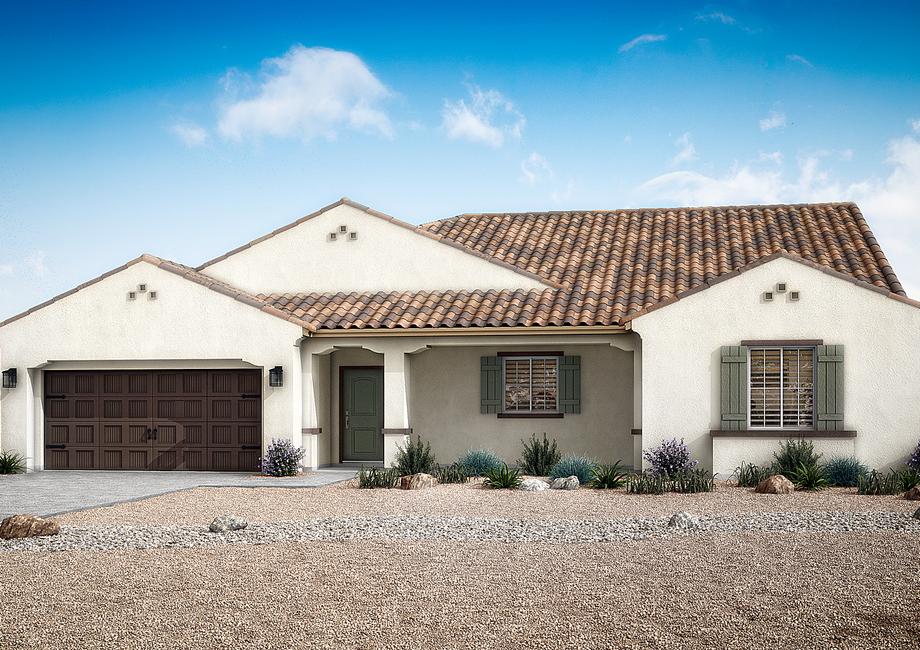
{"points": [[9, 378], [276, 377]]}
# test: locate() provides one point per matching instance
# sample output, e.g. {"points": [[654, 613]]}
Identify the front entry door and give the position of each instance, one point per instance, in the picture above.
{"points": [[362, 414]]}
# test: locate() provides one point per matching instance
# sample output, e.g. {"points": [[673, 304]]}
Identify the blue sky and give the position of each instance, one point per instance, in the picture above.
{"points": [[184, 132]]}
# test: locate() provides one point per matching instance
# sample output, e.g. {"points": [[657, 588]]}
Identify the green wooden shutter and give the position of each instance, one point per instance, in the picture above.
{"points": [[734, 387], [570, 385], [829, 388], [490, 383]]}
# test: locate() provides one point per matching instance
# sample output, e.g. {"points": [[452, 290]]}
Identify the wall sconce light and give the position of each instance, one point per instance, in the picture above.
{"points": [[9, 378], [276, 377]]}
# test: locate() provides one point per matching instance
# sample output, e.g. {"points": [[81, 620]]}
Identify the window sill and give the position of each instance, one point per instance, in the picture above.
{"points": [[781, 433], [530, 415]]}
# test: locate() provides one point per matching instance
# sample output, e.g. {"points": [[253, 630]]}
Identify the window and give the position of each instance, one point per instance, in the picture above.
{"points": [[782, 388], [530, 384]]}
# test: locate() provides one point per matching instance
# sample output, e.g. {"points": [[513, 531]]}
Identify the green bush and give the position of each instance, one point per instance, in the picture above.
{"points": [[691, 480], [479, 461], [793, 454], [415, 458], [876, 483], [750, 475], [452, 473], [845, 471], [375, 477], [579, 466], [908, 478], [809, 477], [503, 478], [608, 477], [646, 483], [539, 455], [11, 463]]}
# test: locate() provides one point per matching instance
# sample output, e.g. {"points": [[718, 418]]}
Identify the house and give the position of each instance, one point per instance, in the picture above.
{"points": [[347, 330]]}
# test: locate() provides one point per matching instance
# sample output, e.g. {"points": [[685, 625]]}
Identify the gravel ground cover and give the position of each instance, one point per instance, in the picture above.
{"points": [[740, 590], [201, 505], [456, 529]]}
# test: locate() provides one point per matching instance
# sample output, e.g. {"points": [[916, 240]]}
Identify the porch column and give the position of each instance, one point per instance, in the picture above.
{"points": [[637, 406], [396, 428], [313, 388]]}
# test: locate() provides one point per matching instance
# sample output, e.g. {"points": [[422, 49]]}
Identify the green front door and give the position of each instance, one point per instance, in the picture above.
{"points": [[362, 414]]}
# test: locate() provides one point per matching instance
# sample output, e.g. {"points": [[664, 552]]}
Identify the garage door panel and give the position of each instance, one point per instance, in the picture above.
{"points": [[72, 433], [125, 434], [171, 434], [234, 458], [70, 457]]}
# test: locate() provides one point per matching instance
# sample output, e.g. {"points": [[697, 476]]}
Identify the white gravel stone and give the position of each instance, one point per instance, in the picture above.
{"points": [[534, 485], [566, 483], [684, 521], [227, 523]]}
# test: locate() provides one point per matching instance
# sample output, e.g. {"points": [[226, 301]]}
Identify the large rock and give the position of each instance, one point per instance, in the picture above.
{"points": [[534, 485], [684, 521], [566, 483], [225, 523], [417, 481], [776, 484], [20, 526], [913, 494]]}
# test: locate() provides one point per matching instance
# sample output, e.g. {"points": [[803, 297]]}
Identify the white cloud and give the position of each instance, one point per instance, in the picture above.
{"points": [[718, 17], [489, 118], [642, 40], [535, 169], [36, 263], [773, 157], [798, 58], [191, 135], [686, 152], [915, 126], [627, 139], [6, 269], [774, 120], [307, 93]]}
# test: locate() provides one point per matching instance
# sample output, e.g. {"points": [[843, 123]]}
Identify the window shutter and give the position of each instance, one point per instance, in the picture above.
{"points": [[490, 393], [829, 388], [734, 387], [570, 385]]}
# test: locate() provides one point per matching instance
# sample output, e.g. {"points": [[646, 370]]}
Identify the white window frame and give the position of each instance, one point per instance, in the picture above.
{"points": [[814, 384], [531, 358]]}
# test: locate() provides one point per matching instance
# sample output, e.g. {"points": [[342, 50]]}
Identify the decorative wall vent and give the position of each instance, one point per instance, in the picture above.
{"points": [[132, 295], [343, 229], [141, 288], [768, 296], [352, 236], [333, 236], [793, 296], [152, 295], [780, 287]]}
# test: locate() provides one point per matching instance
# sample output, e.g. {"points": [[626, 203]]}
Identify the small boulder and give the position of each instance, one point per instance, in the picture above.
{"points": [[20, 526], [916, 514], [776, 484], [417, 481], [565, 483], [913, 494], [534, 485], [226, 523], [684, 521]]}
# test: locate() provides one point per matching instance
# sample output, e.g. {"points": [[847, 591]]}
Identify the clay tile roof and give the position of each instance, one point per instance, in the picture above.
{"points": [[610, 264]]}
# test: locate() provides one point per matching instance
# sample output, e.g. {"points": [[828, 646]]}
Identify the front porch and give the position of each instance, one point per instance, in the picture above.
{"points": [[364, 395]]}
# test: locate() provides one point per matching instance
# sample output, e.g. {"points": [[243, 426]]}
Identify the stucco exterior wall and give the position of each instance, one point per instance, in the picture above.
{"points": [[187, 326], [445, 394], [384, 257], [680, 364]]}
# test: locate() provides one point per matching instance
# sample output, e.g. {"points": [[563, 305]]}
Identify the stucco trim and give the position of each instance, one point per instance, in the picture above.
{"points": [[313, 431], [780, 433], [761, 262], [184, 272], [396, 222]]}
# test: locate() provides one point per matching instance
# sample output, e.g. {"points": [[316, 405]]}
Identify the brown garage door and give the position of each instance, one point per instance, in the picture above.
{"points": [[161, 419]]}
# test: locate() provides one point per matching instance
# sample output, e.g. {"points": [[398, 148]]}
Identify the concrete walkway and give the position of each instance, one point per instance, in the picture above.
{"points": [[55, 492]]}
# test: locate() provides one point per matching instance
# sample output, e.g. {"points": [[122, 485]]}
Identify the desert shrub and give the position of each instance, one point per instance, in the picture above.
{"points": [[11, 463], [875, 483], [453, 473], [914, 461], [646, 483], [479, 461], [750, 475], [414, 458], [374, 477], [809, 477], [281, 458], [539, 456], [792, 454], [691, 480], [579, 466], [503, 478], [844, 471], [670, 457], [908, 478], [608, 477]]}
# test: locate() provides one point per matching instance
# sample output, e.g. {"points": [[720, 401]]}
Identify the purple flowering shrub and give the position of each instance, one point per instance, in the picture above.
{"points": [[914, 461], [281, 458], [669, 458]]}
